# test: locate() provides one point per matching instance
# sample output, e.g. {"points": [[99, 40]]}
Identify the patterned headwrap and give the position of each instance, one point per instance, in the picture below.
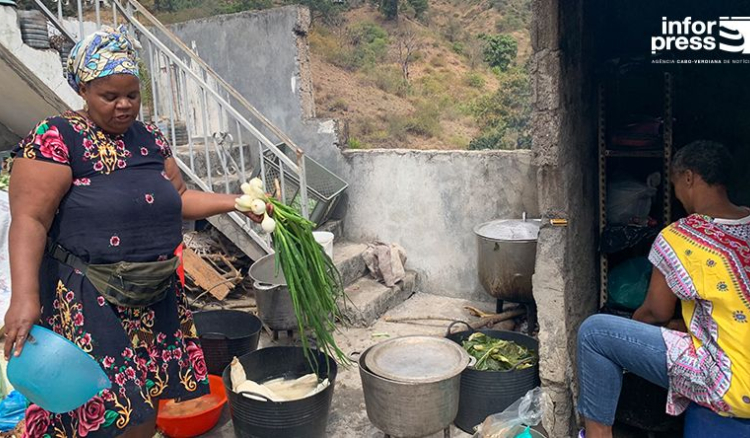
{"points": [[103, 53]]}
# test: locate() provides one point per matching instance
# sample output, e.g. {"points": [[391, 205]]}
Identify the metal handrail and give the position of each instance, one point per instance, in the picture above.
{"points": [[224, 84], [298, 168], [214, 94], [52, 19], [127, 9]]}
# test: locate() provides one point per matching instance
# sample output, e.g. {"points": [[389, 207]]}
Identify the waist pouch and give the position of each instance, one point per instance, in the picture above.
{"points": [[126, 284]]}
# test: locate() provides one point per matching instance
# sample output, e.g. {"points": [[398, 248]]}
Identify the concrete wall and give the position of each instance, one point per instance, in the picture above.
{"points": [[33, 86], [430, 201], [427, 201], [565, 282], [264, 55], [7, 138]]}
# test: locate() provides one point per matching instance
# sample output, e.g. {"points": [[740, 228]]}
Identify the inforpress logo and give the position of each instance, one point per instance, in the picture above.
{"points": [[728, 34], [735, 34]]}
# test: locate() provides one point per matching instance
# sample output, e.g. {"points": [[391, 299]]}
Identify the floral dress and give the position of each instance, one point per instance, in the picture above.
{"points": [[121, 206]]}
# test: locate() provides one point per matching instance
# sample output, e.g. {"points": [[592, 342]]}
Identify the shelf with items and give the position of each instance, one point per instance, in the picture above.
{"points": [[641, 157]]}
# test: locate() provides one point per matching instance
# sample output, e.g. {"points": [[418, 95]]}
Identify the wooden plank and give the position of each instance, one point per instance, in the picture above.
{"points": [[205, 276]]}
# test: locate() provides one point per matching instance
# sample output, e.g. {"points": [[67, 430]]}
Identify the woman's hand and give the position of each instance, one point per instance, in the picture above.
{"points": [[21, 315], [258, 218], [253, 217]]}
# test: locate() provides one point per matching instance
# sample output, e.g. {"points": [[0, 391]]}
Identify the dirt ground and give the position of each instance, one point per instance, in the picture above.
{"points": [[348, 417]]}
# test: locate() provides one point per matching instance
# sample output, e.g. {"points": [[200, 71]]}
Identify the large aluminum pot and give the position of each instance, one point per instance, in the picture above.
{"points": [[506, 256], [275, 307], [409, 409]]}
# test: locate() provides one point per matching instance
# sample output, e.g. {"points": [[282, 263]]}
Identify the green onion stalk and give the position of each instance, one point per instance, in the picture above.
{"points": [[313, 281]]}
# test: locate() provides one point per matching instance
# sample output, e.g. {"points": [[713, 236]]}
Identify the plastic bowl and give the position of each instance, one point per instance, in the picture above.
{"points": [[54, 373], [195, 422]]}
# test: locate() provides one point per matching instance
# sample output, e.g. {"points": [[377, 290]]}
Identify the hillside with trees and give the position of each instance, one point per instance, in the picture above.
{"points": [[422, 74]]}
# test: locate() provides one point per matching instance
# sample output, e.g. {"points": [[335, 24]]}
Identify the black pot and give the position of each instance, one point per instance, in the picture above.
{"points": [[306, 418], [484, 393], [225, 334]]}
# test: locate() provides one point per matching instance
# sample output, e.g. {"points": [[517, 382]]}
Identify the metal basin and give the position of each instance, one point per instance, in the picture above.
{"points": [[506, 256], [272, 296], [407, 409]]}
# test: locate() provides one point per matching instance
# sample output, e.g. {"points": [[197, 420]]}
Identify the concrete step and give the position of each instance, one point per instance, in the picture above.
{"points": [[335, 226], [369, 299], [347, 257]]}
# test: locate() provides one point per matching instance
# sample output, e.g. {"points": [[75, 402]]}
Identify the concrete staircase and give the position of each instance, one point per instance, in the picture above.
{"points": [[215, 131], [367, 298], [221, 168]]}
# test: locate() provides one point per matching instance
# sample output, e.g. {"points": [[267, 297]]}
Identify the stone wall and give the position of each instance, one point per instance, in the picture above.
{"points": [[264, 55], [565, 283], [427, 201], [7, 138], [430, 202], [33, 86]]}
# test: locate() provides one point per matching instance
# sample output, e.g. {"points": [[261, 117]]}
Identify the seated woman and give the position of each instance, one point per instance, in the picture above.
{"points": [[702, 260]]}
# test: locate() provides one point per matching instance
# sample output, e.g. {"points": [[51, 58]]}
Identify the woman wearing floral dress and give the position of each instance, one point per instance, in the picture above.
{"points": [[106, 188]]}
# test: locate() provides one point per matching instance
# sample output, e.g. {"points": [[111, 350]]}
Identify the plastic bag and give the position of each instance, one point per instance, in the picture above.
{"points": [[628, 283], [629, 201], [12, 411], [526, 411]]}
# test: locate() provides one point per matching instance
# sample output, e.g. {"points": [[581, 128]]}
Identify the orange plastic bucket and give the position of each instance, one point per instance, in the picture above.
{"points": [[193, 422]]}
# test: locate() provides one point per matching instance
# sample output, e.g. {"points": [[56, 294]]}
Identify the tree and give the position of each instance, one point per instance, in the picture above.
{"points": [[505, 116], [499, 50], [420, 7], [407, 45], [389, 8]]}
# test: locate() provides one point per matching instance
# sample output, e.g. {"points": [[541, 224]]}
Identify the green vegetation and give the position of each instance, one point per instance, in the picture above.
{"points": [[389, 9], [353, 143], [247, 5], [499, 50], [475, 80], [516, 15], [147, 95], [412, 73], [420, 7], [389, 79], [505, 115], [363, 45]]}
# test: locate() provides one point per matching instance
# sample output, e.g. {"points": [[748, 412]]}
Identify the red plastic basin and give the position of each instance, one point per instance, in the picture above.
{"points": [[199, 416]]}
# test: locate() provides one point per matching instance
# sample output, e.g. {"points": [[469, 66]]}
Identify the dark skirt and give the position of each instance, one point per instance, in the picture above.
{"points": [[149, 353]]}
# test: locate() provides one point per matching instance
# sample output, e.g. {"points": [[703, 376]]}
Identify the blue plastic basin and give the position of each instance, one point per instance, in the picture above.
{"points": [[54, 373]]}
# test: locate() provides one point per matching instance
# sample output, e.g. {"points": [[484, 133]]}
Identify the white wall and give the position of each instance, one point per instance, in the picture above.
{"points": [[32, 86], [45, 64], [430, 202]]}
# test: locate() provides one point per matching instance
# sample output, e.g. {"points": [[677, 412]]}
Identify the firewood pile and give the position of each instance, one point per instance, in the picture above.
{"points": [[216, 271]]}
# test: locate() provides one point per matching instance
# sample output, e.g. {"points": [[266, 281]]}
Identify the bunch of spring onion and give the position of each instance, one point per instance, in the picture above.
{"points": [[312, 279]]}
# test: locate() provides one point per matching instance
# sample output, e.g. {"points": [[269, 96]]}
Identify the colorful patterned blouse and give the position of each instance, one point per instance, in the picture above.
{"points": [[706, 263]]}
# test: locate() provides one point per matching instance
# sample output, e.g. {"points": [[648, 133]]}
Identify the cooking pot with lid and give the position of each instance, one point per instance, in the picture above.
{"points": [[506, 256], [411, 384]]}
